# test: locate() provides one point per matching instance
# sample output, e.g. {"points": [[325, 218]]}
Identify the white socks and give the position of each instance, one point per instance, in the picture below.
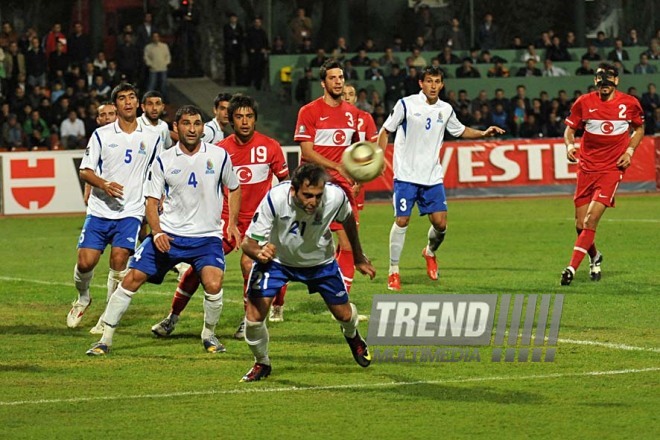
{"points": [[212, 311], [82, 282], [397, 240], [350, 328], [256, 335], [117, 306]]}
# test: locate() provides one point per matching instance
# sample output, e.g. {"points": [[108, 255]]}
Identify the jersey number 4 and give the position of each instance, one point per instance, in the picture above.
{"points": [[192, 180]]}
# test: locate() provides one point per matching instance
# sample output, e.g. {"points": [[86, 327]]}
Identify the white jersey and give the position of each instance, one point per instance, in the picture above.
{"points": [[420, 129], [161, 128], [212, 132], [193, 189], [123, 158], [301, 239]]}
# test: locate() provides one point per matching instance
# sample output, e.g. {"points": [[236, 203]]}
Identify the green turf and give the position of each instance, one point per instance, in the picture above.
{"points": [[169, 388]]}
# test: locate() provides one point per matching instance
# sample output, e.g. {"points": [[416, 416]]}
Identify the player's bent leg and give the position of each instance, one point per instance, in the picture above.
{"points": [[436, 236], [211, 278], [347, 314], [257, 337], [117, 306], [584, 241], [83, 273], [397, 240], [187, 287], [594, 267]]}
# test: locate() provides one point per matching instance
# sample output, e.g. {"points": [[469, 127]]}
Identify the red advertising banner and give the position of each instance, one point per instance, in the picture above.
{"points": [[519, 166]]}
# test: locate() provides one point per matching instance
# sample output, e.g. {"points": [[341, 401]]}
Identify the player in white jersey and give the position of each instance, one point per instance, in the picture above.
{"points": [[152, 109], [214, 130], [107, 114], [420, 122], [115, 164], [290, 240], [192, 175]]}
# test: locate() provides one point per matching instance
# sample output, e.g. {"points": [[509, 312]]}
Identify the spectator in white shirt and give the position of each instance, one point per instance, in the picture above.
{"points": [[552, 70], [72, 131]]}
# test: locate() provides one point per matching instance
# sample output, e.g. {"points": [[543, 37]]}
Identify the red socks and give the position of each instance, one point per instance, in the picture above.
{"points": [[582, 246], [187, 286]]}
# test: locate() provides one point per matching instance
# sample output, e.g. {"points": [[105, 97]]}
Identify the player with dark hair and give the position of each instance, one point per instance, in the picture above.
{"points": [[420, 122], [214, 129], [325, 128], [191, 175], [607, 117], [115, 164], [256, 158], [289, 238], [152, 109]]}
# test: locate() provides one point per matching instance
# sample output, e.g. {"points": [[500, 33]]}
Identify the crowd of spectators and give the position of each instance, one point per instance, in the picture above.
{"points": [[51, 85], [520, 115]]}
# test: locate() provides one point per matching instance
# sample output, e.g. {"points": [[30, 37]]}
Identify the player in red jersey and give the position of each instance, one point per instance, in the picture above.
{"points": [[325, 128], [256, 158], [607, 117]]}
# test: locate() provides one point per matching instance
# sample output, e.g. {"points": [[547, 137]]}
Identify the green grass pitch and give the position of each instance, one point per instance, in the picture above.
{"points": [[604, 382]]}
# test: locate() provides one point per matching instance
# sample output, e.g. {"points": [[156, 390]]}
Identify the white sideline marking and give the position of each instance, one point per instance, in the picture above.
{"points": [[100, 286], [609, 345], [325, 387]]}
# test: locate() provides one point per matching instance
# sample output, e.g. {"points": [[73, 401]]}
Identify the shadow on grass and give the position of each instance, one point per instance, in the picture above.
{"points": [[23, 368]]}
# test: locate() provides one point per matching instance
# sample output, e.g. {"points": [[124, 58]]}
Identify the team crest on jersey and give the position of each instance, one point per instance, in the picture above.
{"points": [[440, 117], [142, 149], [301, 129], [209, 167], [339, 137]]}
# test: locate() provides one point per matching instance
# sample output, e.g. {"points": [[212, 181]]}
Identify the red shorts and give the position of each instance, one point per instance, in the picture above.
{"points": [[597, 187], [348, 190], [227, 243]]}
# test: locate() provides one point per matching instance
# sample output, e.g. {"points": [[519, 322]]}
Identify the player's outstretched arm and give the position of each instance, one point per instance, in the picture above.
{"points": [[362, 263], [471, 133]]}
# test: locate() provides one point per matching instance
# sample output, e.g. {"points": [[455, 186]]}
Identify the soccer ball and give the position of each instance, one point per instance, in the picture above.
{"points": [[363, 161]]}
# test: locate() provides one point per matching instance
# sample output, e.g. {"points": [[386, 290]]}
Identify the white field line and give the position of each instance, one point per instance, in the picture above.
{"points": [[248, 389], [102, 286], [610, 345]]}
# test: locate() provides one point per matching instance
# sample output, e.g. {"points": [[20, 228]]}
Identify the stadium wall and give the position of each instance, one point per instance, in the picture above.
{"points": [[36, 183]]}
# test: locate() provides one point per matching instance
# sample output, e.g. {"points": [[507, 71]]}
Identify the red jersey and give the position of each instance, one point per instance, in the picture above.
{"points": [[254, 163], [331, 129], [606, 127]]}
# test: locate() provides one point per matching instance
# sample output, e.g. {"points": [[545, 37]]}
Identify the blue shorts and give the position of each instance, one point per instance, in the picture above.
{"points": [[267, 279], [429, 199], [198, 252], [97, 233]]}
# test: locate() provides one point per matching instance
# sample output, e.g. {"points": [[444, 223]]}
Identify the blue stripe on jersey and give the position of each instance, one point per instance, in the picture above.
{"points": [[270, 204], [404, 124], [151, 161], [167, 190], [342, 204], [222, 171], [98, 139], [212, 129], [160, 162]]}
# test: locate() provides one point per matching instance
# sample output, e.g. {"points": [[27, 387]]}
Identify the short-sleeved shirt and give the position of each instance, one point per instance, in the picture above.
{"points": [[300, 239], [161, 128], [124, 158], [606, 127], [254, 163], [420, 129], [193, 189], [212, 132], [331, 129]]}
